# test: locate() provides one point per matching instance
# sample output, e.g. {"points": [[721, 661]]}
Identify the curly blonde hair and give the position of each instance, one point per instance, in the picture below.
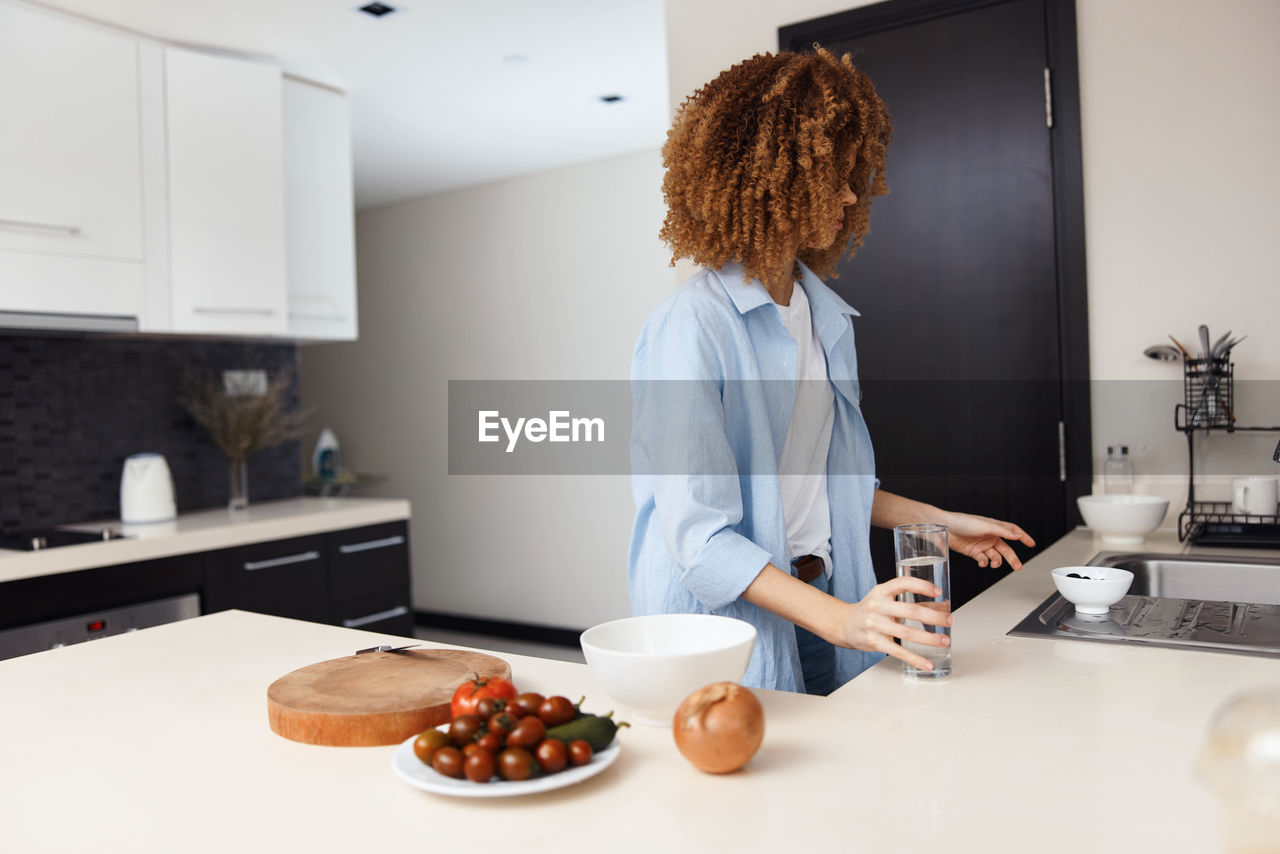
{"points": [[756, 158]]}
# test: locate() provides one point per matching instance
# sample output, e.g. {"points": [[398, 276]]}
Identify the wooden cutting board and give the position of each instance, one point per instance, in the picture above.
{"points": [[373, 698]]}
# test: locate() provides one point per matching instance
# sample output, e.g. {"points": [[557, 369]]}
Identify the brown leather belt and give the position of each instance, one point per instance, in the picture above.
{"points": [[808, 567]]}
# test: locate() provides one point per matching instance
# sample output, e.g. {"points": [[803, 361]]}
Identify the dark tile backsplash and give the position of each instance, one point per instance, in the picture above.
{"points": [[72, 410]]}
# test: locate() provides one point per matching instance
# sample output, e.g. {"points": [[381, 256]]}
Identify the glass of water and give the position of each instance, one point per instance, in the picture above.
{"points": [[921, 551]]}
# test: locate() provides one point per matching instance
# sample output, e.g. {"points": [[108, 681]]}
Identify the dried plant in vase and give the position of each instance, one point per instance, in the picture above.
{"points": [[243, 421]]}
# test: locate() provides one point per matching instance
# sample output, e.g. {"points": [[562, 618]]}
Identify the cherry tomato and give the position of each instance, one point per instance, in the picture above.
{"points": [[516, 763], [525, 704], [470, 748], [465, 729], [448, 761], [556, 710], [480, 766], [502, 723], [579, 752], [471, 692], [527, 733], [492, 742], [552, 755], [427, 743], [487, 707]]}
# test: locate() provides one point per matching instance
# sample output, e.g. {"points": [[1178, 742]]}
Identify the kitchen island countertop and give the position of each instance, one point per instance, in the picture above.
{"points": [[158, 741], [204, 530]]}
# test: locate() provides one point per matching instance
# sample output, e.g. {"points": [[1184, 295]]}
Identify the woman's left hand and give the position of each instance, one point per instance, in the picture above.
{"points": [[985, 540]]}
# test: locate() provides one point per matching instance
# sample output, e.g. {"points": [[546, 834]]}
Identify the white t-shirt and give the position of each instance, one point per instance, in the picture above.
{"points": [[802, 468]]}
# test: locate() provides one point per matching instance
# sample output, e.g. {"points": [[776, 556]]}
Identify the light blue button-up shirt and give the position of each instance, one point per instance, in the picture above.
{"points": [[713, 382]]}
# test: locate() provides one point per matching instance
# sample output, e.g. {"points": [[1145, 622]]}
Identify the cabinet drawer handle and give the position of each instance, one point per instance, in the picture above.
{"points": [[281, 561], [305, 315], [76, 322], [204, 309], [357, 622], [385, 542], [69, 230]]}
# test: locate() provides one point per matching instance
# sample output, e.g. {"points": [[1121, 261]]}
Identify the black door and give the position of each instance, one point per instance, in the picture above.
{"points": [[958, 343]]}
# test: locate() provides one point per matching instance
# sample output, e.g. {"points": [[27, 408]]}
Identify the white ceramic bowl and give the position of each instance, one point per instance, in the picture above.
{"points": [[650, 664], [1123, 520], [1102, 587]]}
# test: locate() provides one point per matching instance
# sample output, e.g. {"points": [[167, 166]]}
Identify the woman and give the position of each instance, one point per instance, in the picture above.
{"points": [[753, 471]]}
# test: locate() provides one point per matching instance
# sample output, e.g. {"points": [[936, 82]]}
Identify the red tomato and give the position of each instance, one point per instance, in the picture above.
{"points": [[502, 689], [471, 692]]}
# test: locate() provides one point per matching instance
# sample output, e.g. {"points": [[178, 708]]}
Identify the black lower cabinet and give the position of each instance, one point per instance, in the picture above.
{"points": [[382, 612], [284, 578], [369, 578], [357, 578]]}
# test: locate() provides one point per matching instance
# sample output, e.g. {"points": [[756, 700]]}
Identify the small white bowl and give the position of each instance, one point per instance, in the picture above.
{"points": [[1123, 520], [651, 663], [1102, 587]]}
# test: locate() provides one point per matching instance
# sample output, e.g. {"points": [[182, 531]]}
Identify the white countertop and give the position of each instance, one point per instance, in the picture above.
{"points": [[204, 531], [158, 741]]}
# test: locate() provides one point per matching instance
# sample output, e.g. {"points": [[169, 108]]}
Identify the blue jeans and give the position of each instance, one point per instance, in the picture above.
{"points": [[817, 656]]}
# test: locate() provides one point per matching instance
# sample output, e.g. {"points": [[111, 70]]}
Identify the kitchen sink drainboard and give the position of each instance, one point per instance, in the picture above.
{"points": [[1247, 628]]}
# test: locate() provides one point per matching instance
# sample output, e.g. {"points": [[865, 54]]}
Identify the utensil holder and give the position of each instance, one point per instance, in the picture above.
{"points": [[1209, 391]]}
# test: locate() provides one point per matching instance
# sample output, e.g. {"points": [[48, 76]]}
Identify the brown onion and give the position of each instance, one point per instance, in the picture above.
{"points": [[719, 727]]}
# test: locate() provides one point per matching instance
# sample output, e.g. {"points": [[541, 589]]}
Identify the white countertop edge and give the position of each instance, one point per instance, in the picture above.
{"points": [[206, 530]]}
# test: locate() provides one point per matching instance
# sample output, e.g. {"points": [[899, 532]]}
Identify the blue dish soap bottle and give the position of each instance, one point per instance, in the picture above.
{"points": [[326, 460]]}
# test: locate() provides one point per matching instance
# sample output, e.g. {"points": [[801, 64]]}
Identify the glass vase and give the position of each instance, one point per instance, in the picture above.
{"points": [[239, 485]]}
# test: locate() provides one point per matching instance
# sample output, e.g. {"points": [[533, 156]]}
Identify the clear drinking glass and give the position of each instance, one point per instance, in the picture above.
{"points": [[921, 551]]}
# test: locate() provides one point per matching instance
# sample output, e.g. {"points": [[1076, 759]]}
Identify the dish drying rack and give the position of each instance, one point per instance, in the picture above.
{"points": [[1209, 405]]}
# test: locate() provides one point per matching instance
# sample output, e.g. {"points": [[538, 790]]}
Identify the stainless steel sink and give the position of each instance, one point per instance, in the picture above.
{"points": [[1220, 603]]}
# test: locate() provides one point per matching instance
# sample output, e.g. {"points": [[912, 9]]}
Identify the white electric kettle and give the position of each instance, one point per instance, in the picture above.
{"points": [[146, 490]]}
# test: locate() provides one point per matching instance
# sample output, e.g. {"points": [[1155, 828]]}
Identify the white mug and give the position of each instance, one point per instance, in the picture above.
{"points": [[1256, 496]]}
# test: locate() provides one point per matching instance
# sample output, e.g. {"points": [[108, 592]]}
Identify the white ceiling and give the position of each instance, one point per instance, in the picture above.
{"points": [[434, 105]]}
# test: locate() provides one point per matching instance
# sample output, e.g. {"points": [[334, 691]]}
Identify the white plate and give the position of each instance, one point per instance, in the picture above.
{"points": [[409, 768]]}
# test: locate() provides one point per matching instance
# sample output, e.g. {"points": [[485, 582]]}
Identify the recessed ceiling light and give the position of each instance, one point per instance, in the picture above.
{"points": [[377, 10], [611, 99]]}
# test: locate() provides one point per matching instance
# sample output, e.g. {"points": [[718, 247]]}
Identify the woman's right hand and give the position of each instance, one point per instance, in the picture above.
{"points": [[874, 622]]}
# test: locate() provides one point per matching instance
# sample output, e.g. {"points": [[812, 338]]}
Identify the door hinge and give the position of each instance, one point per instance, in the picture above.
{"points": [[1048, 100], [1062, 452]]}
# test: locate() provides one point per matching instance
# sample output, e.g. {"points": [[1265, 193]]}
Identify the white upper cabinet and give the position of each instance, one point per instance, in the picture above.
{"points": [[227, 267], [71, 218], [155, 188], [320, 213]]}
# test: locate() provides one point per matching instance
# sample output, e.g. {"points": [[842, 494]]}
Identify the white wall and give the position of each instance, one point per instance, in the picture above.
{"points": [[704, 37], [543, 277], [1180, 117]]}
